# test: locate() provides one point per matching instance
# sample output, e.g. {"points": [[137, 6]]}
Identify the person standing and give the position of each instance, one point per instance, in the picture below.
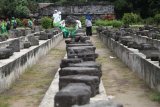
{"points": [[8, 27], [14, 23], [88, 24], [56, 17]]}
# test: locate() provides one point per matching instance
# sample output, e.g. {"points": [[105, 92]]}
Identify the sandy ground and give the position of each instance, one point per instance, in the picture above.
{"points": [[120, 82], [30, 88]]}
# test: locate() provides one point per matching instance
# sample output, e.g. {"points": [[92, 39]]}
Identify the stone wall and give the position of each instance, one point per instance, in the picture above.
{"points": [[77, 9], [145, 39], [146, 69], [12, 68]]}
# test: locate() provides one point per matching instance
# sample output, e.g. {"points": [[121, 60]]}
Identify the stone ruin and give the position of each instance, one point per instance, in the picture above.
{"points": [[23, 39], [129, 37], [80, 75], [139, 49]]}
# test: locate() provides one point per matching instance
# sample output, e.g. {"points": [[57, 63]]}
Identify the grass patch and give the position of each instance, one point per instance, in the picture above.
{"points": [[4, 104], [155, 96]]}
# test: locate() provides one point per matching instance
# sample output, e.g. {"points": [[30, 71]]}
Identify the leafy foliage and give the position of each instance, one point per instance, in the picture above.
{"points": [[149, 20], [46, 22], [157, 19], [19, 22], [131, 18], [114, 23]]}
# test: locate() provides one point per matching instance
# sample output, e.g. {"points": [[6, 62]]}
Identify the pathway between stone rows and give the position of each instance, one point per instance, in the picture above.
{"points": [[119, 81], [30, 88]]}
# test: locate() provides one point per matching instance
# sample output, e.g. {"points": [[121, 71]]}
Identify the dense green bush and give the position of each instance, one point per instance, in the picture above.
{"points": [[114, 23], [149, 21], [19, 22], [157, 19], [131, 18], [46, 22]]}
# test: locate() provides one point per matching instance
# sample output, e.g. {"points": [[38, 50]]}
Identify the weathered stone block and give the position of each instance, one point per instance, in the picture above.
{"points": [[102, 103], [91, 64], [26, 44], [5, 53], [146, 46], [33, 40], [43, 36], [50, 35], [66, 62], [74, 93], [79, 44], [124, 40], [151, 54], [133, 45], [83, 39], [81, 50], [92, 81], [84, 57], [80, 71], [15, 45]]}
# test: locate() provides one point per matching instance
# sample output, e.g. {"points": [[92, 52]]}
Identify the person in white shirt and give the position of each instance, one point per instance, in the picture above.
{"points": [[56, 16], [79, 24]]}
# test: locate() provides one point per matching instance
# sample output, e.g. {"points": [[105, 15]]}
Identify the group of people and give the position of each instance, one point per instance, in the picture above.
{"points": [[57, 21], [6, 25]]}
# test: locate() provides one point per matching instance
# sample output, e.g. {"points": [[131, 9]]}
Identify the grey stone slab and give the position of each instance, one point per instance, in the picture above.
{"points": [[147, 46], [50, 35], [78, 44], [27, 44], [80, 71], [43, 36], [102, 103], [15, 45], [5, 53], [66, 62], [151, 54], [91, 64], [74, 93], [81, 50], [33, 40], [92, 81], [84, 57]]}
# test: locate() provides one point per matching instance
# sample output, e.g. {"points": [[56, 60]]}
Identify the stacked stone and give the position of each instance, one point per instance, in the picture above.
{"points": [[32, 39], [79, 75]]}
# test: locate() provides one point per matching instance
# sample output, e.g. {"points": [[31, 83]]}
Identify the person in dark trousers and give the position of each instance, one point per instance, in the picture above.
{"points": [[8, 27], [88, 24]]}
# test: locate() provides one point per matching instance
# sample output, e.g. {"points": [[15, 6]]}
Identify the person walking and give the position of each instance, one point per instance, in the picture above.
{"points": [[88, 24]]}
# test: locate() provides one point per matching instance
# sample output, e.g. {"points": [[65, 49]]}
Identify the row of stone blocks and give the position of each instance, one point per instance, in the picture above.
{"points": [[23, 43], [79, 75], [147, 49]]}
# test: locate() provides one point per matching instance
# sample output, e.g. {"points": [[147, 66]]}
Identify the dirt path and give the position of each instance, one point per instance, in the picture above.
{"points": [[120, 82], [30, 88]]}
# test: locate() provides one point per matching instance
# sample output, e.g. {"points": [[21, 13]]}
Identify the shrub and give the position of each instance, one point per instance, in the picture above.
{"points": [[131, 18], [46, 22], [114, 23], [157, 19], [149, 21], [19, 22], [22, 11]]}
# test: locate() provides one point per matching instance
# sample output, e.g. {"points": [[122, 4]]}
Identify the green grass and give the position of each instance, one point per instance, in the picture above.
{"points": [[4, 104], [155, 96]]}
